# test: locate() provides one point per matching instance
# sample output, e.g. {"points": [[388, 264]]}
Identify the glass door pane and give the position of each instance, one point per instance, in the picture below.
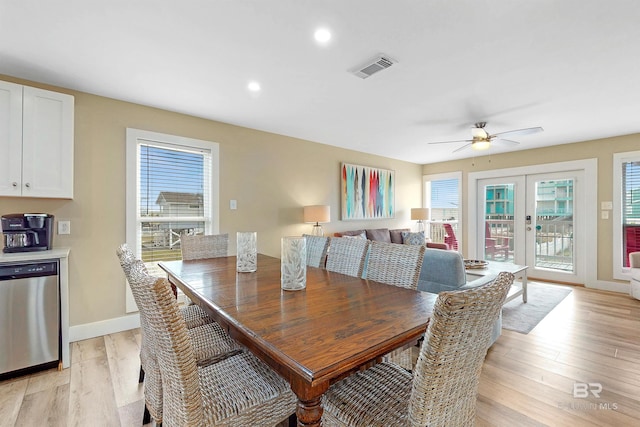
{"points": [[500, 218], [554, 247], [499, 215]]}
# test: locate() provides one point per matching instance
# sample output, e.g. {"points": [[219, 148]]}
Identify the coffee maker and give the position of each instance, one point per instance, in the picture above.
{"points": [[27, 232]]}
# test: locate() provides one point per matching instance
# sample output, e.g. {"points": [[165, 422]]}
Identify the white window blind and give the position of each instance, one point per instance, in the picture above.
{"points": [[630, 209], [631, 193], [173, 197]]}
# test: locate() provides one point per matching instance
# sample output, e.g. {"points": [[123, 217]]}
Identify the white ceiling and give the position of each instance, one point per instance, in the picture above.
{"points": [[570, 66]]}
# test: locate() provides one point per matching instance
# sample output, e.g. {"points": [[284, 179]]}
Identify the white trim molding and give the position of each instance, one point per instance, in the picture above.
{"points": [[104, 327]]}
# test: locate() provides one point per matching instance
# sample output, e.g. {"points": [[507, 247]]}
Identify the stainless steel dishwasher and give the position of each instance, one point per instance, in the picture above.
{"points": [[29, 316]]}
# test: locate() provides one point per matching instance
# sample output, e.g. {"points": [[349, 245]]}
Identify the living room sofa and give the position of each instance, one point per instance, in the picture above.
{"points": [[442, 269]]}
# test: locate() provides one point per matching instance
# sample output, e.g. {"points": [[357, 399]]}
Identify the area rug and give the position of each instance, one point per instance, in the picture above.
{"points": [[541, 299]]}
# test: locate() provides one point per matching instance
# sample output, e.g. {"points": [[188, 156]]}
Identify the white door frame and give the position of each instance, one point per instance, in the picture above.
{"points": [[590, 168]]}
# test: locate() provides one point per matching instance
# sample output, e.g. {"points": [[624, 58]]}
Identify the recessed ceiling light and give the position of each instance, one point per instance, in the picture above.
{"points": [[322, 35], [254, 86]]}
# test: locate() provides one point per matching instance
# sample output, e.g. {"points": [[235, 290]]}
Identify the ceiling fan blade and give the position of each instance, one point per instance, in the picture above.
{"points": [[508, 140], [462, 148], [448, 142], [526, 131]]}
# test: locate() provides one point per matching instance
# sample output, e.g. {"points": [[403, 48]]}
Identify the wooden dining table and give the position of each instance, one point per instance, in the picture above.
{"points": [[313, 337]]}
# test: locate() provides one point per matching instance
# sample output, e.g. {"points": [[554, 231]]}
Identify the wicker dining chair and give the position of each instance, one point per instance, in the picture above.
{"points": [[193, 315], [210, 342], [347, 255], [237, 391], [316, 250], [204, 246], [397, 265], [443, 388]]}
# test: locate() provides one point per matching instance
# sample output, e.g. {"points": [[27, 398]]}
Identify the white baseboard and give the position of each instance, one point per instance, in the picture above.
{"points": [[604, 285], [104, 327]]}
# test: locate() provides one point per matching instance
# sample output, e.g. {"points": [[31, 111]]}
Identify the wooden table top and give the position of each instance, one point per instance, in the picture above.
{"points": [[314, 336]]}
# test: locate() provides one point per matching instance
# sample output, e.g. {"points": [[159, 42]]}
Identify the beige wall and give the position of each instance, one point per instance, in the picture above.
{"points": [[602, 150], [271, 177]]}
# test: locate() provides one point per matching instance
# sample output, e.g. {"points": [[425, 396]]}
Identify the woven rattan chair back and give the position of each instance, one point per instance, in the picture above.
{"points": [[347, 255], [125, 254], [136, 274], [395, 264], [182, 403], [204, 246], [316, 250], [446, 376]]}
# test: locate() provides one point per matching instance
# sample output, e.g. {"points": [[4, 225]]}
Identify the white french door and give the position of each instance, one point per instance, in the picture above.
{"points": [[534, 220]]}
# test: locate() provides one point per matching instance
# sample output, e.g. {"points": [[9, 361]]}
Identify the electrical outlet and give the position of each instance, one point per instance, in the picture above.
{"points": [[64, 227]]}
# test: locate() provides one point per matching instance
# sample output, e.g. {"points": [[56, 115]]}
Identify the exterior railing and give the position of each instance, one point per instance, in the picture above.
{"points": [[553, 247], [437, 233]]}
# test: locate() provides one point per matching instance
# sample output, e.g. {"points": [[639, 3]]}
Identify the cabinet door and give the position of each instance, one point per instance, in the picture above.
{"points": [[10, 139], [47, 144]]}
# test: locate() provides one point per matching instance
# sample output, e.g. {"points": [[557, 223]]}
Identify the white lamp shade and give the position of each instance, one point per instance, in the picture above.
{"points": [[420, 214], [317, 213]]}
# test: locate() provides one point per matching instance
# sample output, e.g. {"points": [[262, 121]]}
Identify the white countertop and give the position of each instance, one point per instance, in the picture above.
{"points": [[34, 256]]}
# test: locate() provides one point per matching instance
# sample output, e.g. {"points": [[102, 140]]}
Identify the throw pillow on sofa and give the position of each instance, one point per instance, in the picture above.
{"points": [[409, 238], [379, 234], [362, 235]]}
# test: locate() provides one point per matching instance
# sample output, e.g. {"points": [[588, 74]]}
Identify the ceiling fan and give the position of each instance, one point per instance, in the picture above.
{"points": [[481, 139]]}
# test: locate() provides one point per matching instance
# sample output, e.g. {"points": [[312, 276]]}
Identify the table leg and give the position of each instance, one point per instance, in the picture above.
{"points": [[524, 286], [309, 412]]}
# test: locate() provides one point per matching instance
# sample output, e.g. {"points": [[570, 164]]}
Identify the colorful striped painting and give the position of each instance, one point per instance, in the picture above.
{"points": [[367, 193]]}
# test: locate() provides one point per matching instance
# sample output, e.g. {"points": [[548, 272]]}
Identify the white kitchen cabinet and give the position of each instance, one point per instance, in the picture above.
{"points": [[36, 134]]}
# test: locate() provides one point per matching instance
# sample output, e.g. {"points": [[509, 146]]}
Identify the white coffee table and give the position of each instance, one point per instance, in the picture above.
{"points": [[494, 268]]}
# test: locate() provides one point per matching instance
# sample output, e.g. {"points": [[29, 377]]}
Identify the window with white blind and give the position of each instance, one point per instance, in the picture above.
{"points": [[172, 190], [443, 197], [626, 215]]}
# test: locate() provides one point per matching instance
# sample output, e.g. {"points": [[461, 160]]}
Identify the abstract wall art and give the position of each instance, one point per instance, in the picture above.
{"points": [[366, 192]]}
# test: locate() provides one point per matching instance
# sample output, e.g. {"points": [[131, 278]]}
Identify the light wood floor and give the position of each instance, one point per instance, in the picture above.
{"points": [[527, 380]]}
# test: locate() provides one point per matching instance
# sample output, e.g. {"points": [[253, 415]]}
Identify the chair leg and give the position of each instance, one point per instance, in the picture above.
{"points": [[141, 375], [146, 418]]}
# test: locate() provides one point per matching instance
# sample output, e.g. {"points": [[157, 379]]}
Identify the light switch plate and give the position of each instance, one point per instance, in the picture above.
{"points": [[64, 227], [605, 214], [607, 205], [233, 204]]}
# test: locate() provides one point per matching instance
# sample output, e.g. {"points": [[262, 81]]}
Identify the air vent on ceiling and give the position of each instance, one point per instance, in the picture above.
{"points": [[379, 63]]}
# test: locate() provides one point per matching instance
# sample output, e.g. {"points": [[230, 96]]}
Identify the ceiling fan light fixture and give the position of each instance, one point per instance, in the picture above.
{"points": [[480, 145], [479, 133]]}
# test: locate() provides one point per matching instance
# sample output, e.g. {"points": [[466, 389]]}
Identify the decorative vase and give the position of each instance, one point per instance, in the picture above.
{"points": [[293, 267], [247, 258]]}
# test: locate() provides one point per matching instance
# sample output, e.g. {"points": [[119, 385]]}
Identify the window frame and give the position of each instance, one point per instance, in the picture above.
{"points": [[617, 228], [137, 137]]}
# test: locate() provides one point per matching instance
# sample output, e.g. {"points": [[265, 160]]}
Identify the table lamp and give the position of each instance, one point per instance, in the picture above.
{"points": [[317, 214], [420, 214]]}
